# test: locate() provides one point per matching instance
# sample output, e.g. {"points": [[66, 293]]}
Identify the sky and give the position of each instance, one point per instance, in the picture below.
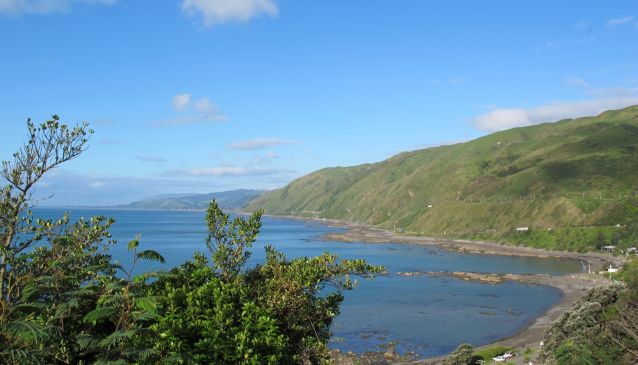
{"points": [[197, 96]]}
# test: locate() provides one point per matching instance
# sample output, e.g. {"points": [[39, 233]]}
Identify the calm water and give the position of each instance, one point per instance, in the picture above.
{"points": [[427, 315]]}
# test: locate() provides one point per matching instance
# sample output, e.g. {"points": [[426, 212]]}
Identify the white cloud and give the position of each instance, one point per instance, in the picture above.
{"points": [[200, 111], [64, 187], [614, 22], [203, 105], [214, 12], [224, 171], [181, 101], [17, 7], [258, 143], [506, 118]]}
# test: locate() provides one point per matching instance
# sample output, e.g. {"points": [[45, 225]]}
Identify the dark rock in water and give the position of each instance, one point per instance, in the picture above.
{"points": [[368, 358]]}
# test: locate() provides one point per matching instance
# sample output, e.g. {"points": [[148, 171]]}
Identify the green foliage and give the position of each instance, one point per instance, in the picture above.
{"points": [[569, 176], [571, 353], [491, 352], [583, 323], [207, 321], [64, 301], [228, 240], [463, 355], [600, 329]]}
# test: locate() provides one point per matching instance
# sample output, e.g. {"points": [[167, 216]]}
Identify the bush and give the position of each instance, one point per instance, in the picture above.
{"points": [[64, 301], [463, 355]]}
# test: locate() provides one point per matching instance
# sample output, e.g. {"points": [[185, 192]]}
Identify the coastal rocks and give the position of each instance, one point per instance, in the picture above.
{"points": [[411, 273], [482, 278], [390, 354], [472, 276], [348, 358]]}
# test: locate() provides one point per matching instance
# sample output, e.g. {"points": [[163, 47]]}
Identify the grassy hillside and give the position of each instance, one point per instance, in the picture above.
{"points": [[555, 178], [233, 200]]}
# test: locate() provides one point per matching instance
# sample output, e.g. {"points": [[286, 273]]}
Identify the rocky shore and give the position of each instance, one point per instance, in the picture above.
{"points": [[572, 286]]}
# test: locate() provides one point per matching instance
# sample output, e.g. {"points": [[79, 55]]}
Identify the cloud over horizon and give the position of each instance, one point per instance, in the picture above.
{"points": [[224, 171], [213, 12], [506, 118], [63, 187], [598, 100]]}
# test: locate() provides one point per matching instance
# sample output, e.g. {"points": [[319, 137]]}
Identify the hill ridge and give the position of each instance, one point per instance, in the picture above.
{"points": [[579, 172]]}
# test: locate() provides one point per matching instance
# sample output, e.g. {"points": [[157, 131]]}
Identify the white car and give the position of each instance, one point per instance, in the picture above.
{"points": [[499, 359], [507, 356]]}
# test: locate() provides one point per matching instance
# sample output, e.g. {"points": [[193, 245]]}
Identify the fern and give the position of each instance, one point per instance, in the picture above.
{"points": [[151, 256], [98, 314]]}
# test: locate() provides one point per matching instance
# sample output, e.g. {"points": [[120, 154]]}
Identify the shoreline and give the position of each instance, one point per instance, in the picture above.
{"points": [[571, 286]]}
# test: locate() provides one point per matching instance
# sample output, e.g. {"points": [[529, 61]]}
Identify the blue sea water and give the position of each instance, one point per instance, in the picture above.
{"points": [[427, 315]]}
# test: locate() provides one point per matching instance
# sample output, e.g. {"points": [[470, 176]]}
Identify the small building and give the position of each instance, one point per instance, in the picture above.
{"points": [[522, 229], [608, 248]]}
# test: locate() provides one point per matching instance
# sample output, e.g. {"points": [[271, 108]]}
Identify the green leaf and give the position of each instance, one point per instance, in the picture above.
{"points": [[148, 304], [99, 313], [133, 244], [151, 256]]}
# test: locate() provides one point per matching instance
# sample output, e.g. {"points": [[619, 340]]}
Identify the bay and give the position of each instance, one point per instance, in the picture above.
{"points": [[422, 314]]}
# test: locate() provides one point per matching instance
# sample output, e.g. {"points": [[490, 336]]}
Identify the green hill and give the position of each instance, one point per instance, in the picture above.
{"points": [[571, 182], [231, 200]]}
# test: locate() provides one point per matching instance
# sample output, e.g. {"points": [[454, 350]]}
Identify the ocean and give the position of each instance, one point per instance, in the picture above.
{"points": [[423, 314]]}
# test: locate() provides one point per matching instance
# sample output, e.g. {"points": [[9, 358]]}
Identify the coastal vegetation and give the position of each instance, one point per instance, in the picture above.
{"points": [[64, 300], [569, 185], [601, 328]]}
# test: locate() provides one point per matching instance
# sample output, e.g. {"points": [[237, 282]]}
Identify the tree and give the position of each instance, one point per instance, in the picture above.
{"points": [[64, 301], [571, 353], [272, 313], [463, 355], [49, 145]]}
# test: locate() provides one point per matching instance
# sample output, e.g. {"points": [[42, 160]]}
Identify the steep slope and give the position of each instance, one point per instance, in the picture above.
{"points": [[573, 173], [233, 200]]}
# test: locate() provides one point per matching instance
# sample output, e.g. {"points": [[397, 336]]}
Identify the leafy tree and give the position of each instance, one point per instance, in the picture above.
{"points": [[463, 355], [64, 301], [571, 353], [272, 313]]}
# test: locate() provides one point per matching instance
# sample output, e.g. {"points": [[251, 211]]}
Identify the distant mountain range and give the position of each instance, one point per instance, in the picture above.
{"points": [[230, 200], [550, 178]]}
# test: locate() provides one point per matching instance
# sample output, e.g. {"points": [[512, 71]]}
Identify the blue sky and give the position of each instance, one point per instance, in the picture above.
{"points": [[210, 95]]}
